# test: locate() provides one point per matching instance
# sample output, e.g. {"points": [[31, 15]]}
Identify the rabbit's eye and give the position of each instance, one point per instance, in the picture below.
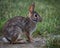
{"points": [[35, 15]]}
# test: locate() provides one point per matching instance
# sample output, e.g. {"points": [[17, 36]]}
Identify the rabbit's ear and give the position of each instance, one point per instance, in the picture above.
{"points": [[31, 8]]}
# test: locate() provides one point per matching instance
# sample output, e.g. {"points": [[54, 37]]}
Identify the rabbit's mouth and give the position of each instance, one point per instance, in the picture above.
{"points": [[35, 20]]}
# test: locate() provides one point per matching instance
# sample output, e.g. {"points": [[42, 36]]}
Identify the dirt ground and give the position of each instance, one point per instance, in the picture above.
{"points": [[39, 43]]}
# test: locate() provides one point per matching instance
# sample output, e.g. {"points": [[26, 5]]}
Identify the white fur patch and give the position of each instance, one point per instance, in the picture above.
{"points": [[4, 39]]}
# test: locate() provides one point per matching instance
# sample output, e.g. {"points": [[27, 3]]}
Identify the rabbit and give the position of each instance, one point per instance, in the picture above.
{"points": [[18, 25]]}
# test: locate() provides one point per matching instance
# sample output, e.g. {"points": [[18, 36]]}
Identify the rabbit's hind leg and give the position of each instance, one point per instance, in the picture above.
{"points": [[16, 40], [19, 41], [13, 40]]}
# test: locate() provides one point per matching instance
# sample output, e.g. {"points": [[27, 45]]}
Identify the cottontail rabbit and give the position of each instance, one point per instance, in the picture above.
{"points": [[19, 25]]}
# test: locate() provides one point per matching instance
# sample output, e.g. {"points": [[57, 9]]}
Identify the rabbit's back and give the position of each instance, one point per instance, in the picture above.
{"points": [[16, 21]]}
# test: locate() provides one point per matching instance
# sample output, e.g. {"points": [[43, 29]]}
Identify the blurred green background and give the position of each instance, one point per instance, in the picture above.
{"points": [[48, 9]]}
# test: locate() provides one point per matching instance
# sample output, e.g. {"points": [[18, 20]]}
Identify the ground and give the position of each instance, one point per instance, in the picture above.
{"points": [[40, 43]]}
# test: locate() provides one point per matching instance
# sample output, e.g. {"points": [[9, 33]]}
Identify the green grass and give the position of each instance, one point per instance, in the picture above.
{"points": [[53, 41], [48, 9]]}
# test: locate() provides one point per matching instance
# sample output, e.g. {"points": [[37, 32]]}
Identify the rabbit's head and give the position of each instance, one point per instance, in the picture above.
{"points": [[33, 15]]}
